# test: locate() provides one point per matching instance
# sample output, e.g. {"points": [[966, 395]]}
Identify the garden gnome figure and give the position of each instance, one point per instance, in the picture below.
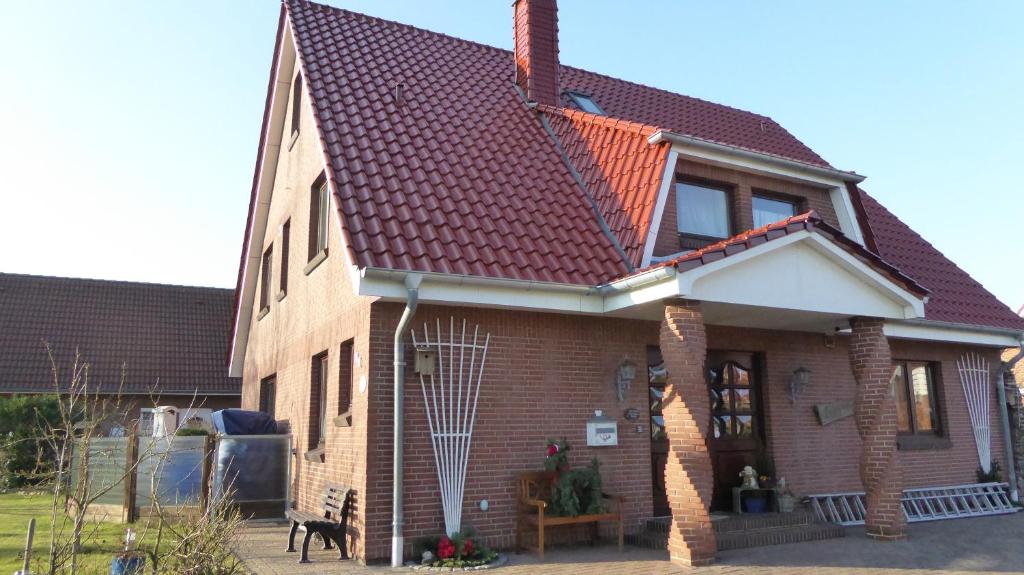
{"points": [[749, 478]]}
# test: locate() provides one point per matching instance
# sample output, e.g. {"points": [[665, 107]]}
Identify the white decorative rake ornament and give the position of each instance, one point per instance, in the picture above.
{"points": [[451, 410], [974, 377]]}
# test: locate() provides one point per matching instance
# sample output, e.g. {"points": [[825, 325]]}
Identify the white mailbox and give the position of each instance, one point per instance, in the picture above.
{"points": [[602, 431]]}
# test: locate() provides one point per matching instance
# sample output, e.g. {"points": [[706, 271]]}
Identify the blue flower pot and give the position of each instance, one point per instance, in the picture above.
{"points": [[755, 505], [134, 565]]}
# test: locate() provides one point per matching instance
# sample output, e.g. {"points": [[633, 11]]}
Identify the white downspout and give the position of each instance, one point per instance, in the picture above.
{"points": [[412, 286], [1004, 413]]}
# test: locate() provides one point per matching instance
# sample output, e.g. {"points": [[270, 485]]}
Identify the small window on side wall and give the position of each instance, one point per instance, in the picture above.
{"points": [[917, 407], [296, 103], [768, 210], [318, 401], [319, 206], [286, 233], [346, 363], [702, 214], [268, 395], [266, 265]]}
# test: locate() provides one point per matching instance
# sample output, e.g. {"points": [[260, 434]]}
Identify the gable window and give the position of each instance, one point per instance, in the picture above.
{"points": [[319, 206], [318, 401], [916, 398], [267, 264], [702, 213], [585, 103], [286, 232], [769, 210], [268, 395], [296, 103], [345, 383]]}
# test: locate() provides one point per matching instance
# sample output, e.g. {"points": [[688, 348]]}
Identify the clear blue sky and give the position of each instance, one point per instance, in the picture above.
{"points": [[130, 128]]}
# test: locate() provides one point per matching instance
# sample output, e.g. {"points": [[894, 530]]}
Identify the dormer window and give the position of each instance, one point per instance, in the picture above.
{"points": [[702, 212], [769, 210], [585, 103]]}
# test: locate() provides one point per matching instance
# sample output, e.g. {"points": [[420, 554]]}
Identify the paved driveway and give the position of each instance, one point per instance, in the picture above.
{"points": [[983, 545]]}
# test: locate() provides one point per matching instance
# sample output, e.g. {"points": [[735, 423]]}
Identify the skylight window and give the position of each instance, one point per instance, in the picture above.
{"points": [[586, 103]]}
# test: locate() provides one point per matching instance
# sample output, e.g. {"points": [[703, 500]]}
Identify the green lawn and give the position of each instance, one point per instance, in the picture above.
{"points": [[15, 511]]}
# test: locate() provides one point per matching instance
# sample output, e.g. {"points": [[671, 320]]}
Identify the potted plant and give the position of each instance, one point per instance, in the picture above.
{"points": [[129, 561], [786, 498], [460, 551]]}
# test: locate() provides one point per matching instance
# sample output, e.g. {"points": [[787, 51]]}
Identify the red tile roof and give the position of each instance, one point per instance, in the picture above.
{"points": [[955, 296], [171, 339], [686, 115], [620, 169], [809, 221], [460, 176]]}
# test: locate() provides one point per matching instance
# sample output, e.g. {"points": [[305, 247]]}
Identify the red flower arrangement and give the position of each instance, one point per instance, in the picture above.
{"points": [[445, 548]]}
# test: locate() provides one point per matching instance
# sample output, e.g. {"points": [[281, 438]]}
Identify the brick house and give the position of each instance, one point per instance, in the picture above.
{"points": [[169, 340], [585, 223]]}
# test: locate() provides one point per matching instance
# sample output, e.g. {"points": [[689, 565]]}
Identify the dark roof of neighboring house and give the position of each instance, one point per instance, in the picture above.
{"points": [[170, 339], [462, 177]]}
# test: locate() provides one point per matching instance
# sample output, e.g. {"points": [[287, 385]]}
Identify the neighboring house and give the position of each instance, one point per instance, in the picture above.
{"points": [[1010, 353], [587, 224], [168, 342]]}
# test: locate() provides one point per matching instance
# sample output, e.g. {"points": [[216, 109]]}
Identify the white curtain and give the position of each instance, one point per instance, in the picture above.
{"points": [[702, 211], [768, 211]]}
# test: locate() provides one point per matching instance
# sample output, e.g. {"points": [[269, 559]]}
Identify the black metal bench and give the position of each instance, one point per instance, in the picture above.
{"points": [[331, 525]]}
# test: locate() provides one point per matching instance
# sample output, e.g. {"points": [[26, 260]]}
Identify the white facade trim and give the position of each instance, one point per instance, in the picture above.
{"points": [[284, 75], [953, 333], [668, 178], [264, 191], [772, 166]]}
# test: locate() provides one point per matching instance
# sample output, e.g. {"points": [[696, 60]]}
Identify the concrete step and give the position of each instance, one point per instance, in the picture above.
{"points": [[754, 521], [778, 536], [747, 530]]}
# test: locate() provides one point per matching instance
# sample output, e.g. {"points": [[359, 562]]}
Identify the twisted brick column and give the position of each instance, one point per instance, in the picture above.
{"points": [[687, 412], [875, 413]]}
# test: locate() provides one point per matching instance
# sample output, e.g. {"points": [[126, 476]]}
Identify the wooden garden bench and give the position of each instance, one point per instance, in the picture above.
{"points": [[533, 489], [331, 525]]}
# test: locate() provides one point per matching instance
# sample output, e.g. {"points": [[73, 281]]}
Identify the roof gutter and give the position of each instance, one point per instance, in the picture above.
{"points": [[1015, 333], [641, 279], [468, 280], [1004, 416], [680, 139]]}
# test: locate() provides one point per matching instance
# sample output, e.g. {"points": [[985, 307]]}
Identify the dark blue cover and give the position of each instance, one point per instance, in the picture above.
{"points": [[242, 422]]}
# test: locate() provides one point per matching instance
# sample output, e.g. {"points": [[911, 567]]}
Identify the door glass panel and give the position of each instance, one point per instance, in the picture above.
{"points": [[723, 426], [657, 427], [718, 400], [657, 394], [744, 426], [657, 373], [741, 399], [738, 376]]}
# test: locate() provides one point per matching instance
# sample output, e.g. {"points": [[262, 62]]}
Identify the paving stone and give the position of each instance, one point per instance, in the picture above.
{"points": [[967, 546]]}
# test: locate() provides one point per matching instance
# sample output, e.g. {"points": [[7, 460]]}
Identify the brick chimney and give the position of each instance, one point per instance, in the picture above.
{"points": [[536, 49]]}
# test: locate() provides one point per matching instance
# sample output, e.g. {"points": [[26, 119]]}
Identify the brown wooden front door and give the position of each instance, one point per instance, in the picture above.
{"points": [[736, 434], [656, 379]]}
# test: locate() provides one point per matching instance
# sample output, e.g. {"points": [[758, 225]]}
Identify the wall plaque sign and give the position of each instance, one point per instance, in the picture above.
{"points": [[832, 412]]}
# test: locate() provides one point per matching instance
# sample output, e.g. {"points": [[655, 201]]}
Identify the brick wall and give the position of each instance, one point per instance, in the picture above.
{"points": [[545, 374], [743, 186], [823, 459], [318, 313]]}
